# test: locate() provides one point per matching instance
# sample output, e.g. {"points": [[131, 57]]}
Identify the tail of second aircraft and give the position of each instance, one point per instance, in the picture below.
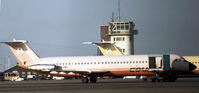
{"points": [[24, 55], [106, 48]]}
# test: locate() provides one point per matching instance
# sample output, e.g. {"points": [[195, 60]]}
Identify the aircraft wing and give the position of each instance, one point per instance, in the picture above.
{"points": [[85, 71]]}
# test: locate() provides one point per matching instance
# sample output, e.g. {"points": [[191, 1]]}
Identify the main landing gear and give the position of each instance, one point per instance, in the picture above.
{"points": [[89, 80], [168, 77]]}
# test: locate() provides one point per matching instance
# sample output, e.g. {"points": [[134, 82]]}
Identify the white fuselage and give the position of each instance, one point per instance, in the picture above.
{"points": [[97, 63]]}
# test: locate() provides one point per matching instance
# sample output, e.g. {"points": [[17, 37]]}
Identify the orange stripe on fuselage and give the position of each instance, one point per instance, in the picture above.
{"points": [[129, 73], [111, 73], [196, 72]]}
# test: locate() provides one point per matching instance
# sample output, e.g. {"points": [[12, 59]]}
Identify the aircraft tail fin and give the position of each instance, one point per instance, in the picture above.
{"points": [[24, 55], [107, 48]]}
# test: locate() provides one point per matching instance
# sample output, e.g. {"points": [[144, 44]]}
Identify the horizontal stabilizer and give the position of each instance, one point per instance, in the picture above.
{"points": [[15, 42]]}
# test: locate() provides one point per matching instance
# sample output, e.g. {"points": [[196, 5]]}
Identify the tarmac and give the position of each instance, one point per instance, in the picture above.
{"points": [[182, 85]]}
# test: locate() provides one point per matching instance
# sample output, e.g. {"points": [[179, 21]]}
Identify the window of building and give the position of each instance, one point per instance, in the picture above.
{"points": [[127, 27], [119, 39], [118, 27], [123, 50], [122, 26], [28, 73], [34, 73]]}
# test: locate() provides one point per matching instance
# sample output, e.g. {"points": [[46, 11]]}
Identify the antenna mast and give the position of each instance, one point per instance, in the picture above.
{"points": [[119, 10], [112, 19]]}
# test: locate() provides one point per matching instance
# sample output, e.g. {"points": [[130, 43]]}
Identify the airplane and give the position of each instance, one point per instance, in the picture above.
{"points": [[103, 46], [91, 67]]}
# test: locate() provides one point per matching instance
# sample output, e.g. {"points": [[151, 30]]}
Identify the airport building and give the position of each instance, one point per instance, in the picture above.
{"points": [[121, 34], [18, 72]]}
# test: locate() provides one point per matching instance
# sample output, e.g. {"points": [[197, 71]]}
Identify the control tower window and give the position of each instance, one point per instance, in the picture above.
{"points": [[126, 27], [118, 27], [122, 26]]}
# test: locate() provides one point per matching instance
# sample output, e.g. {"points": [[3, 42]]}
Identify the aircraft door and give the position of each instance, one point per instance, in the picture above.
{"points": [[152, 62]]}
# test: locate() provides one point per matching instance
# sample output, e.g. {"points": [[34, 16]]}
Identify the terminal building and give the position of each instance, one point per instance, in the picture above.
{"points": [[26, 74], [121, 34]]}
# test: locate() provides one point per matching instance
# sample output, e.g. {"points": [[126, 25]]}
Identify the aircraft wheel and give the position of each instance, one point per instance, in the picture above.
{"points": [[93, 79], [85, 80], [153, 80]]}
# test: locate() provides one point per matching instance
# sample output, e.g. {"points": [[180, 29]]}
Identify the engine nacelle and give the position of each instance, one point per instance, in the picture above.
{"points": [[42, 67]]}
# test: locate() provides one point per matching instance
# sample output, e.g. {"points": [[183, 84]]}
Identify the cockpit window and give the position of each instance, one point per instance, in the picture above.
{"points": [[180, 59]]}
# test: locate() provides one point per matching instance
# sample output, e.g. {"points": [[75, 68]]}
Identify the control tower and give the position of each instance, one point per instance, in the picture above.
{"points": [[121, 33]]}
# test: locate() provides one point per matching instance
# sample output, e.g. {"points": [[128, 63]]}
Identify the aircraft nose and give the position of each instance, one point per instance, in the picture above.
{"points": [[182, 66], [192, 67]]}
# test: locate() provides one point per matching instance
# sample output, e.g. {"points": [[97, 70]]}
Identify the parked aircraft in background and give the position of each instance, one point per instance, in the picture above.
{"points": [[90, 67], [194, 60]]}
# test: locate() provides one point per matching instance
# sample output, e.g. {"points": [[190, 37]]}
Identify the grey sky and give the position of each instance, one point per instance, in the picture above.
{"points": [[58, 27]]}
